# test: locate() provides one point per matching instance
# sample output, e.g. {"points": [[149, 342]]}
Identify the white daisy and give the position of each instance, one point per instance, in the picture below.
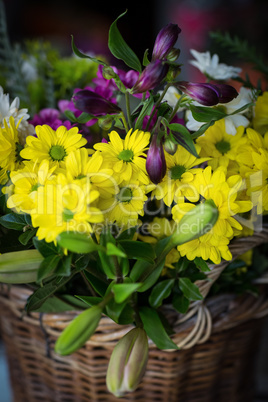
{"points": [[211, 67], [7, 110]]}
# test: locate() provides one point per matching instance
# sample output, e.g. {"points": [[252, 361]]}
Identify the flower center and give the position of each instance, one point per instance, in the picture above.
{"points": [[126, 155], [67, 215], [223, 146], [57, 153], [177, 171], [125, 195]]}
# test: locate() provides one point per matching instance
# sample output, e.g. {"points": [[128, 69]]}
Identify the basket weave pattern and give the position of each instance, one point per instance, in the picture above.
{"points": [[218, 340]]}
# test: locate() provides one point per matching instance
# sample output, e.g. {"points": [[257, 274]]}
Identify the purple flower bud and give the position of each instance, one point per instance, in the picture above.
{"points": [[228, 93], [93, 103], [165, 41], [206, 94], [152, 76], [156, 163]]}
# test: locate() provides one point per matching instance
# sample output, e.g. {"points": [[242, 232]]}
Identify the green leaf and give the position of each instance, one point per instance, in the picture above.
{"points": [[206, 114], [98, 284], [85, 56], [123, 290], [90, 300], [48, 265], [183, 138], [25, 237], [112, 249], [107, 264], [138, 250], [127, 234], [13, 221], [45, 248], [160, 292], [202, 129], [36, 300], [145, 111], [145, 60], [155, 329], [84, 118], [180, 303], [58, 304], [80, 243], [189, 289], [120, 49], [201, 264], [64, 266]]}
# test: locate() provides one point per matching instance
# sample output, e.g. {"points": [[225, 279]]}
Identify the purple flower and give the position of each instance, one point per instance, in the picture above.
{"points": [[93, 103], [156, 163], [208, 94], [51, 117], [165, 41], [151, 76], [228, 93]]}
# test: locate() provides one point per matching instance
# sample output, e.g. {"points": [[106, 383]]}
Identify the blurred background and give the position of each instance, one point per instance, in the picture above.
{"points": [[56, 20], [89, 23]]}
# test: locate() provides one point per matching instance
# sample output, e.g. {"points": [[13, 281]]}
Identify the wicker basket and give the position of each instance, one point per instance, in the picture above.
{"points": [[218, 339]]}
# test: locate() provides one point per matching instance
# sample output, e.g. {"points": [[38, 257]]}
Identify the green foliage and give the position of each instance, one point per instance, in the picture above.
{"points": [[242, 50]]}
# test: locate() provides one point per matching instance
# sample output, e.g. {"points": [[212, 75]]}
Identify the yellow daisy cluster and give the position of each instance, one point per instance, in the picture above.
{"points": [[64, 185]]}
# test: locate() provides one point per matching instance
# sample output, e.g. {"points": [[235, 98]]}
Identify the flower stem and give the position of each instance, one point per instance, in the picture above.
{"points": [[128, 110], [176, 107], [157, 104]]}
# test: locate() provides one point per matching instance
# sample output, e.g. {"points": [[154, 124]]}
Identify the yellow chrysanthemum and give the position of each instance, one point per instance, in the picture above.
{"points": [[260, 120], [223, 193], [25, 183], [9, 149], [127, 156], [220, 146], [82, 166], [65, 206], [258, 180], [126, 206], [181, 170], [52, 145]]}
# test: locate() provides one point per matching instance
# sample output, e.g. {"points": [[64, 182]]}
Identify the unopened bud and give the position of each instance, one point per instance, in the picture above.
{"points": [[156, 163], [151, 77], [78, 331], [93, 103], [195, 223], [105, 122], [165, 41], [128, 362], [170, 146], [108, 73], [20, 266]]}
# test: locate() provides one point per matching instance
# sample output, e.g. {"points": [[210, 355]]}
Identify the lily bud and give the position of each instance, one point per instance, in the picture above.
{"points": [[78, 331], [165, 41], [206, 94], [195, 223], [128, 362], [156, 163], [93, 103], [151, 76], [20, 266], [227, 93]]}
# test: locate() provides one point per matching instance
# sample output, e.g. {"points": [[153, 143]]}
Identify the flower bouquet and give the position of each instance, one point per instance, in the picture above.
{"points": [[132, 194]]}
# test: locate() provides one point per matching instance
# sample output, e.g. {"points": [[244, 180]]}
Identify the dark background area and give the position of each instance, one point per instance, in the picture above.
{"points": [[89, 23]]}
